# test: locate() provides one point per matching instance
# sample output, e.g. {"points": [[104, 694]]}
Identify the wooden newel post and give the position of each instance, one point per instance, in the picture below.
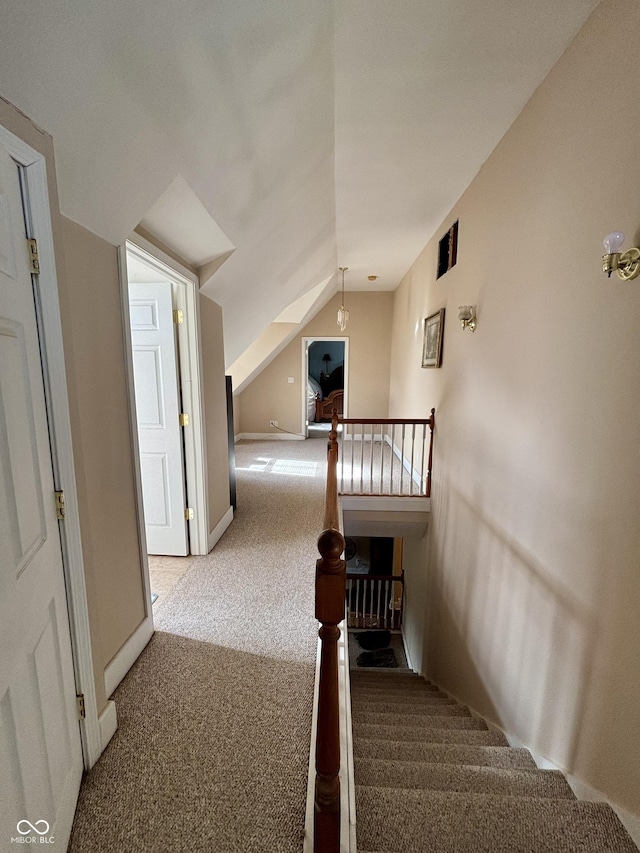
{"points": [[432, 423], [330, 597], [331, 520]]}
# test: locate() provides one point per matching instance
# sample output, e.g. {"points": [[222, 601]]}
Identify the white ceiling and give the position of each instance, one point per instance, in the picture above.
{"points": [[312, 134]]}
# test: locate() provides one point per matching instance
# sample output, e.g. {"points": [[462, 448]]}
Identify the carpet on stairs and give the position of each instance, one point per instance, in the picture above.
{"points": [[432, 778]]}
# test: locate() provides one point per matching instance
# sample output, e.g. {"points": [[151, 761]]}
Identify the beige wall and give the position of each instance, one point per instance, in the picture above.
{"points": [[271, 397], [215, 409], [533, 594], [94, 350]]}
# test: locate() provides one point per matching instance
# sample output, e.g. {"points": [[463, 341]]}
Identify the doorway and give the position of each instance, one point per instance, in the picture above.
{"points": [[161, 308], [325, 369]]}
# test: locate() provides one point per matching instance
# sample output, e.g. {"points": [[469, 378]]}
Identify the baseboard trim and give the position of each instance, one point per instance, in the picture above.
{"points": [[269, 436], [220, 528], [123, 660], [406, 650], [108, 723], [582, 791]]}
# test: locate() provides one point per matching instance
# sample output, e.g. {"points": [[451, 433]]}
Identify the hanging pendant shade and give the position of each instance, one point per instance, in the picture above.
{"points": [[343, 313]]}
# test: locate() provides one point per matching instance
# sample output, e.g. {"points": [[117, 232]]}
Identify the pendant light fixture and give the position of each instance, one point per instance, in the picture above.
{"points": [[343, 313]]}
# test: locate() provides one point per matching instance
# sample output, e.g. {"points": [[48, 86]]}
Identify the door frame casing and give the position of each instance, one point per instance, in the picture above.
{"points": [[306, 341], [185, 285], [95, 729]]}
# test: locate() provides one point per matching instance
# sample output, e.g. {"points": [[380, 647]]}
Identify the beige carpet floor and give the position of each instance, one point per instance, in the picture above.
{"points": [[212, 749]]}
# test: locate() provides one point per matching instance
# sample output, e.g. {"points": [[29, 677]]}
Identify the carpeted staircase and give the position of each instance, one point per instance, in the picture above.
{"points": [[431, 778]]}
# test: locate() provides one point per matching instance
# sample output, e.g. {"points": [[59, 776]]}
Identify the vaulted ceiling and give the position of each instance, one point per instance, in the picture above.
{"points": [[276, 139]]}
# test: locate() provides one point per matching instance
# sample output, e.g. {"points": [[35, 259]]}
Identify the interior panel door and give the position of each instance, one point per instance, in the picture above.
{"points": [[40, 748], [158, 409]]}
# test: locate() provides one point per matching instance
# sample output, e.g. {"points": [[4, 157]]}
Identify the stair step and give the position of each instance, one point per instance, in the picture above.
{"points": [[476, 754], [417, 689], [424, 734], [373, 678], [434, 721], [389, 680], [410, 821], [409, 709], [415, 697], [393, 682], [394, 673], [462, 778]]}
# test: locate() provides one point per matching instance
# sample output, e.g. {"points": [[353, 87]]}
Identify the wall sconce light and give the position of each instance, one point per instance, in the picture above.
{"points": [[627, 265], [467, 317]]}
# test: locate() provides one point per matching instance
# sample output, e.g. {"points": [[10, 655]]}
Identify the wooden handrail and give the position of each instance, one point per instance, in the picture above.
{"points": [[386, 420], [353, 576], [330, 604]]}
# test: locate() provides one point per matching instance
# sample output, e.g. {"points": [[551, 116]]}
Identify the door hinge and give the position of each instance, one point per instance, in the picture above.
{"points": [[178, 316], [188, 514], [34, 260], [60, 506], [82, 713], [184, 419]]}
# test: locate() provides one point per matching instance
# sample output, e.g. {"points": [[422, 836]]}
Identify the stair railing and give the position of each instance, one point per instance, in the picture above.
{"points": [[331, 588], [330, 610], [386, 456], [374, 601]]}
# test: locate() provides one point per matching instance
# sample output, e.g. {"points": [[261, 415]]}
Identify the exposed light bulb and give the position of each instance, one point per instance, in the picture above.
{"points": [[613, 242]]}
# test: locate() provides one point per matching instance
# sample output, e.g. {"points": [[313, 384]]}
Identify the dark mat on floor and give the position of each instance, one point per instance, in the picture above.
{"points": [[371, 640], [379, 658]]}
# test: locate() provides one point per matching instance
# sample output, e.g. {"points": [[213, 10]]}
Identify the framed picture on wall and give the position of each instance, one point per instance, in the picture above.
{"points": [[432, 343]]}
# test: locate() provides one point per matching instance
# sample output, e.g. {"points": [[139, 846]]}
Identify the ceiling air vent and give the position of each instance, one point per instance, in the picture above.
{"points": [[448, 250]]}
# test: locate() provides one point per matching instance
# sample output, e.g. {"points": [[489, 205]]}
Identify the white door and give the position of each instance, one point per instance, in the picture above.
{"points": [[155, 376], [40, 749]]}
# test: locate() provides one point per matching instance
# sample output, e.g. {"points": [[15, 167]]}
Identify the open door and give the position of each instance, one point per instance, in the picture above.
{"points": [[157, 395]]}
